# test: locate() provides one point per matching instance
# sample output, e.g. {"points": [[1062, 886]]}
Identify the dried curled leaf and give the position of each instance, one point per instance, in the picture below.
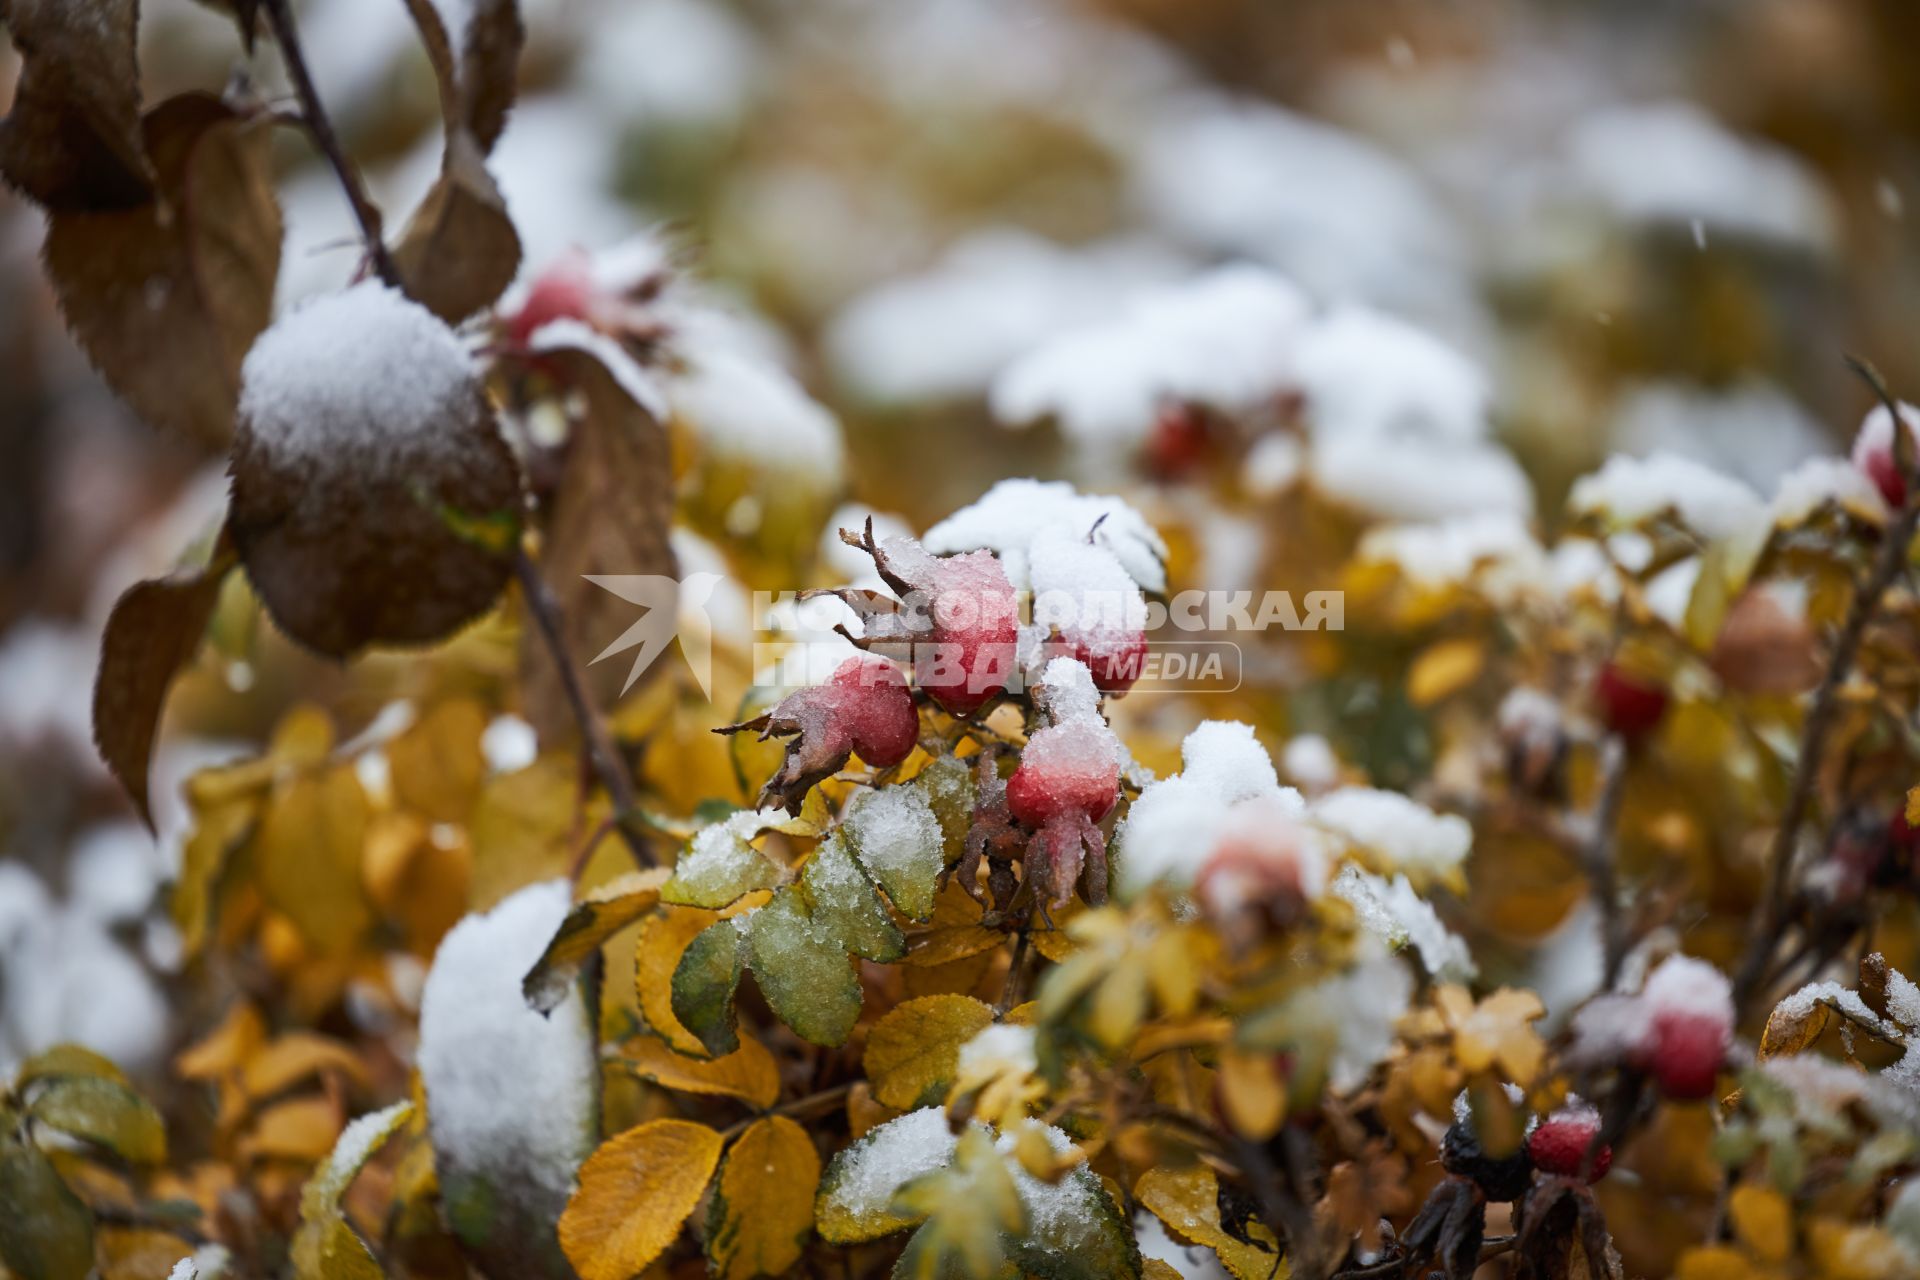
{"points": [[152, 634], [166, 296], [476, 60], [603, 913], [761, 1214], [634, 1194], [749, 1073], [73, 140], [914, 1051], [460, 250], [326, 1247]]}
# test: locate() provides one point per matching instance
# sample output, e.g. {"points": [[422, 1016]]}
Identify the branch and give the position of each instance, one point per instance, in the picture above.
{"points": [[314, 116], [606, 763], [1770, 913], [1600, 854]]}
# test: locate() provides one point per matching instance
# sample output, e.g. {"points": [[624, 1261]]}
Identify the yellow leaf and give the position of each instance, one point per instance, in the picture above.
{"points": [[326, 1247], [308, 851], [1154, 1269], [634, 1194], [1714, 1262], [226, 1048], [603, 913], [1763, 1221], [1790, 1030], [748, 1073], [525, 825], [954, 932], [298, 1056], [912, 1052], [300, 1129], [1913, 807], [436, 764], [1855, 1251], [762, 1210], [663, 939], [1188, 1202], [1445, 668], [1252, 1093]]}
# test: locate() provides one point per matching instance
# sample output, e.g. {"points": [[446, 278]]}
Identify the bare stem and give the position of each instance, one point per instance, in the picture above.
{"points": [[314, 116], [824, 1100], [606, 762], [1600, 857]]}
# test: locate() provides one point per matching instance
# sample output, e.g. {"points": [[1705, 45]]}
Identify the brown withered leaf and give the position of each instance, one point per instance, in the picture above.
{"points": [[610, 514], [152, 634], [73, 139], [477, 66], [460, 250], [166, 296]]}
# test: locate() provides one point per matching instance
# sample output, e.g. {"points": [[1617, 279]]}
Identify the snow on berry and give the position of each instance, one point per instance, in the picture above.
{"points": [[1873, 451], [1176, 823], [1068, 779], [1559, 1143], [863, 707], [1678, 1029], [1082, 593], [1011, 515], [1263, 857]]}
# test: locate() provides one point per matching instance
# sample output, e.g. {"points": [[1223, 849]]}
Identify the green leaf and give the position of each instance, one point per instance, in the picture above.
{"points": [[899, 841], [1078, 1232], [105, 1113], [847, 905], [809, 981], [947, 784], [326, 1247], [704, 983], [971, 1207], [66, 1060], [45, 1232], [720, 865]]}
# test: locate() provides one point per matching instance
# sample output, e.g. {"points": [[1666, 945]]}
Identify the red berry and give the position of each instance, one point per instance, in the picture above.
{"points": [[1685, 1051], [1559, 1145], [1177, 442], [1629, 706], [1065, 768], [564, 291], [1873, 453], [1115, 658], [876, 710], [975, 628]]}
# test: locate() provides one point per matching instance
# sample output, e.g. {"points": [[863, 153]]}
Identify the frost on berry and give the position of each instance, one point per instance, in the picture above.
{"points": [[863, 707], [955, 618], [1083, 594], [1559, 1144], [1068, 779], [1874, 455], [1678, 1029]]}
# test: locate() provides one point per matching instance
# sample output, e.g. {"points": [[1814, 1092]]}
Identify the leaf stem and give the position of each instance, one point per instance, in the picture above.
{"points": [[314, 116]]}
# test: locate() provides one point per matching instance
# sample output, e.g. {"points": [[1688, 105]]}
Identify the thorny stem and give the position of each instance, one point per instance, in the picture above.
{"points": [[606, 764], [314, 116], [1771, 913], [1600, 854]]}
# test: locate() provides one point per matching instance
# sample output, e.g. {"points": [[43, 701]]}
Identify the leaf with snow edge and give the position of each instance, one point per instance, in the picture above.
{"points": [[610, 513], [749, 1073], [1402, 918], [326, 1247], [460, 250], [601, 914], [475, 60], [899, 841], [1187, 1201], [856, 1194], [720, 865], [339, 461], [913, 1052], [46, 1233], [436, 764], [105, 1113], [947, 782], [72, 140], [1800, 1018], [152, 635], [802, 967], [166, 296], [845, 903], [513, 1099], [704, 984], [307, 854], [63, 1061], [1397, 834], [761, 1214], [969, 1209], [1074, 1230], [634, 1194]]}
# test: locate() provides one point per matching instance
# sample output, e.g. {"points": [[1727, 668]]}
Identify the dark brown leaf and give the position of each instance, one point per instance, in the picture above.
{"points": [[152, 634], [610, 514], [167, 296], [477, 66], [460, 250], [73, 138]]}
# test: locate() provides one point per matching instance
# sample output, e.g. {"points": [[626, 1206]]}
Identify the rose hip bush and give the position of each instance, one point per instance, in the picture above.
{"points": [[1548, 919]]}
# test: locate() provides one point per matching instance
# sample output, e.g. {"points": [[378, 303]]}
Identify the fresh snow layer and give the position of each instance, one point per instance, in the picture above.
{"points": [[1010, 516]]}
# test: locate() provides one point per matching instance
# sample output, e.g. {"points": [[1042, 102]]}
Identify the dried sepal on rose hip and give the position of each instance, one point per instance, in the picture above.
{"points": [[955, 619], [865, 707], [1067, 781], [374, 500]]}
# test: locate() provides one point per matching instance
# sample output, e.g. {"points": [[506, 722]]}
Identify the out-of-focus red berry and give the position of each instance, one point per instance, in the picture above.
{"points": [[1628, 705]]}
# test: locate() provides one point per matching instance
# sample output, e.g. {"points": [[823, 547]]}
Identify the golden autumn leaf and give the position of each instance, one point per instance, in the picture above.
{"points": [[912, 1051], [1253, 1094], [762, 1209], [749, 1073], [633, 1196], [1762, 1221], [296, 1057], [601, 914], [436, 764], [663, 939], [1497, 1029], [1444, 669], [308, 849], [1187, 1201], [299, 1129]]}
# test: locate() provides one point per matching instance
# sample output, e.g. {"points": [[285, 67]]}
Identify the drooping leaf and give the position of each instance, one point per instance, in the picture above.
{"points": [[151, 636], [704, 983], [803, 971], [66, 1060], [476, 59], [604, 912], [166, 296], [105, 1113], [634, 1194], [762, 1209], [913, 1052], [326, 1247], [460, 250], [72, 140], [749, 1073], [308, 853], [46, 1233]]}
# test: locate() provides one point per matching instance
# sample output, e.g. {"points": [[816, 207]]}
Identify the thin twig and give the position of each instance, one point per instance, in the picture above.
{"points": [[606, 763], [825, 1100], [314, 116], [1010, 995], [1600, 856]]}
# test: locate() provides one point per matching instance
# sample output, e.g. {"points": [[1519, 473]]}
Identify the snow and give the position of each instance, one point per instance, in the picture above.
{"points": [[1798, 1006], [509, 744], [1274, 462], [1225, 757], [1063, 1217], [1672, 163], [569, 334], [1495, 547], [356, 1144], [993, 297], [1067, 691], [1753, 432], [512, 1096], [1310, 763], [1530, 718], [361, 378], [886, 1158], [1225, 340], [1816, 482], [554, 164], [1367, 373], [1411, 479], [749, 409], [1614, 1026], [1082, 589], [1682, 984], [1671, 590], [114, 872], [65, 979], [1352, 1015], [1630, 490], [1403, 833], [1002, 1047], [1177, 823], [896, 834], [708, 82], [1013, 513], [1402, 918], [1189, 1261]]}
